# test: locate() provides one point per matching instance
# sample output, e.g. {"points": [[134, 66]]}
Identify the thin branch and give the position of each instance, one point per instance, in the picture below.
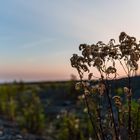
{"points": [[112, 114], [90, 115], [100, 121], [123, 67], [129, 107]]}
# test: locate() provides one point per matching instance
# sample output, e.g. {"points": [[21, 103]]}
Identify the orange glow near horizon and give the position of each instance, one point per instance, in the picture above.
{"points": [[40, 72]]}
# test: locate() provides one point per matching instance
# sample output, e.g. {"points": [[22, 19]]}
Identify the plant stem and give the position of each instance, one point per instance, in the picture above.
{"points": [[90, 116], [118, 111], [99, 116], [129, 108], [112, 114]]}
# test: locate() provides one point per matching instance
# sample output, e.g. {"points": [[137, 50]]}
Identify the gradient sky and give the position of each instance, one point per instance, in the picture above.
{"points": [[38, 37]]}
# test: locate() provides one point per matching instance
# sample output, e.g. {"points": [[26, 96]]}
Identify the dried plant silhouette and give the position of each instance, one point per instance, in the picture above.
{"points": [[111, 116]]}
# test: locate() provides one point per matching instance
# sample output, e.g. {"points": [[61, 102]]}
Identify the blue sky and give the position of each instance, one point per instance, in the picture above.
{"points": [[38, 37]]}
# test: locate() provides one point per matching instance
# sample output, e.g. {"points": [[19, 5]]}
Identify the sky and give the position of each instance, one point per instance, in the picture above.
{"points": [[38, 37]]}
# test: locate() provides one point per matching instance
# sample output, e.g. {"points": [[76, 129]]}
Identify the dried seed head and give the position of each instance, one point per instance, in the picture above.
{"points": [[94, 89], [78, 86], [117, 101], [111, 70], [126, 90], [81, 97], [90, 76], [85, 110], [101, 88], [86, 92], [86, 84], [118, 98]]}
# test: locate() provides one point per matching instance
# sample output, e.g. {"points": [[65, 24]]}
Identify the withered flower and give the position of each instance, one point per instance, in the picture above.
{"points": [[101, 89], [117, 101], [90, 76], [94, 89], [81, 97], [98, 62], [111, 70], [78, 62], [78, 86], [86, 91], [118, 98], [127, 91], [103, 57]]}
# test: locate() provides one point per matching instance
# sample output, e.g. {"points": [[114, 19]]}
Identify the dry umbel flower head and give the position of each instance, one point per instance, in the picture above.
{"points": [[127, 92], [105, 59], [117, 101], [100, 54]]}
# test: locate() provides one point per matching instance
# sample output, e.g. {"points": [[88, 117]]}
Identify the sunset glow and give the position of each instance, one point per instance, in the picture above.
{"points": [[37, 38]]}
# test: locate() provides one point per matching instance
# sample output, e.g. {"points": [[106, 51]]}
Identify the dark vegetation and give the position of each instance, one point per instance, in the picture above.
{"points": [[51, 110]]}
